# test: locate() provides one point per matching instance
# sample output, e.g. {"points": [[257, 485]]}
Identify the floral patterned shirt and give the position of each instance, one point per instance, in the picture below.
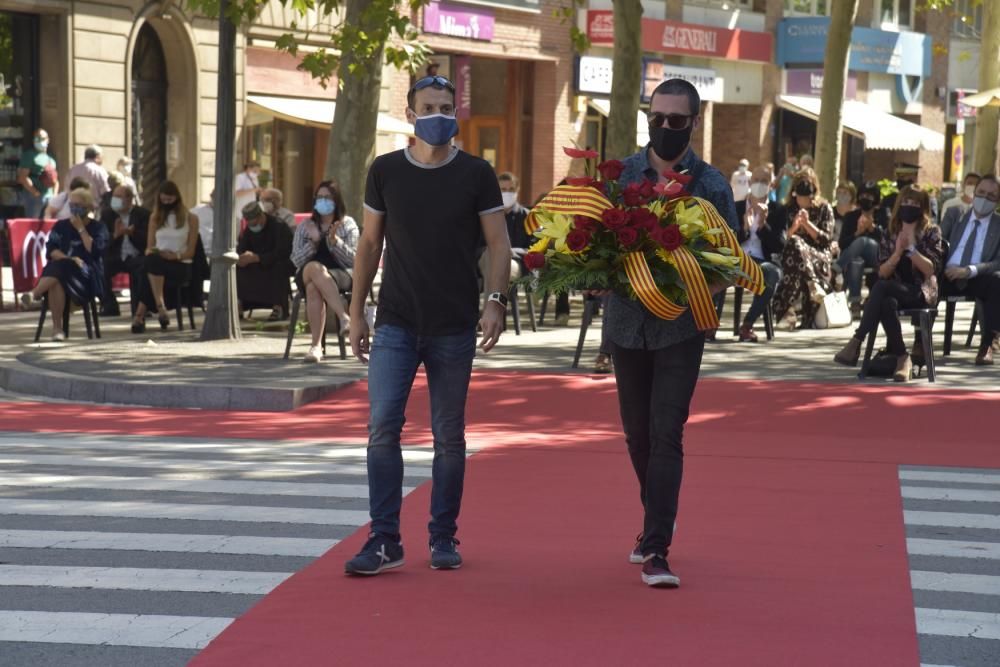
{"points": [[931, 246]]}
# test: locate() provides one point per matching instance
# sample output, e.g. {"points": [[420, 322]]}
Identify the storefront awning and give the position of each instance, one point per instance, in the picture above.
{"points": [[880, 130], [317, 113], [603, 107], [987, 98]]}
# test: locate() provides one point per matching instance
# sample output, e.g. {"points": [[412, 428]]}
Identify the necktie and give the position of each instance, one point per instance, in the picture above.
{"points": [[970, 245]]}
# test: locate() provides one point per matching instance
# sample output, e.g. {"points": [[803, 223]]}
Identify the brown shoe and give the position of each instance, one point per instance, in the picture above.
{"points": [[850, 354], [747, 335], [985, 357], [904, 368]]}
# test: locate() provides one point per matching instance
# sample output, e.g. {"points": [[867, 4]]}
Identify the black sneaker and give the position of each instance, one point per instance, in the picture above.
{"points": [[381, 552], [444, 555], [656, 573], [636, 556]]}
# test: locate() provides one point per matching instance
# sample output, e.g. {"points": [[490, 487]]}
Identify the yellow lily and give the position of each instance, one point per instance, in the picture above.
{"points": [[541, 246], [556, 230], [720, 260]]}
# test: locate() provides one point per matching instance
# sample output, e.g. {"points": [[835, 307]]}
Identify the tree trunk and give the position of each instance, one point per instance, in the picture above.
{"points": [[352, 136], [830, 126], [985, 151], [222, 319], [626, 79]]}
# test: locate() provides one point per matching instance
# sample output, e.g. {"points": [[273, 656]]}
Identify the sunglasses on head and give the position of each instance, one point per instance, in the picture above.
{"points": [[673, 121], [428, 81]]}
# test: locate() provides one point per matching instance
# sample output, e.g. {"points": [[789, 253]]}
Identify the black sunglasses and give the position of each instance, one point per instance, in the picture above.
{"points": [[433, 81], [673, 121]]}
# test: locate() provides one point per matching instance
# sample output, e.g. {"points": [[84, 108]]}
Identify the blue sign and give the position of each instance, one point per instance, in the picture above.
{"points": [[802, 41]]}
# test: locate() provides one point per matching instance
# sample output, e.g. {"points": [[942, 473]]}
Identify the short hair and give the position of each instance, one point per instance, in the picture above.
{"points": [[92, 151], [274, 191], [679, 87], [83, 194], [411, 96], [115, 178], [79, 182], [871, 188], [974, 175], [850, 187], [990, 177], [509, 176], [251, 164], [128, 189]]}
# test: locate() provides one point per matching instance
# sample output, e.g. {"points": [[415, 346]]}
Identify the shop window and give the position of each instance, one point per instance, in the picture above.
{"points": [[895, 14], [724, 5], [968, 19], [18, 95], [807, 7]]}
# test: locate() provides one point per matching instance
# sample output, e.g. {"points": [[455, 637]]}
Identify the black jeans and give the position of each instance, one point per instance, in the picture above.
{"points": [[985, 287], [136, 269], [654, 396], [885, 300]]}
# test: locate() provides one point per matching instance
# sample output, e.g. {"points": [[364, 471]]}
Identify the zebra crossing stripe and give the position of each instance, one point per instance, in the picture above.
{"points": [[951, 519], [952, 548], [957, 495], [186, 484], [144, 510], [979, 584], [955, 623], [151, 631], [181, 543], [142, 579], [959, 477]]}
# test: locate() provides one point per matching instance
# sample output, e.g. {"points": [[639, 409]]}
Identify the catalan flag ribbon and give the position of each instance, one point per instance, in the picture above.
{"points": [[755, 280], [571, 199]]}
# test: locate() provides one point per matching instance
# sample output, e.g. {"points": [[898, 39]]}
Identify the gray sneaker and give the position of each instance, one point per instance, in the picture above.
{"points": [[444, 555]]}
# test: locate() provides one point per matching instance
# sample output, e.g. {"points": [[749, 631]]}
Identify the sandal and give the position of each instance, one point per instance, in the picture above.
{"points": [[138, 326], [164, 320], [602, 364]]}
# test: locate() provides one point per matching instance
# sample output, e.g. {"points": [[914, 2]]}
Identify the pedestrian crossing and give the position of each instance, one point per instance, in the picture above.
{"points": [[135, 550], [952, 519]]}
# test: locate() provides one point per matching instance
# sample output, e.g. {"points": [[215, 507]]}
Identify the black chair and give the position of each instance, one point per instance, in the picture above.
{"points": [[738, 313], [515, 308], [925, 325], [180, 290], [591, 304], [293, 320], [90, 318], [949, 320]]}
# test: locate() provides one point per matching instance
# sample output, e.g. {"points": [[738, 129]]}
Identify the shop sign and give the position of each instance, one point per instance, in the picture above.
{"points": [[453, 21], [686, 38], [810, 82], [655, 72], [803, 41], [957, 109], [593, 75], [463, 87]]}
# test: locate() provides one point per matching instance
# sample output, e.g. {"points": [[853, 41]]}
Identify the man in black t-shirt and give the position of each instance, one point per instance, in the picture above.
{"points": [[428, 204]]}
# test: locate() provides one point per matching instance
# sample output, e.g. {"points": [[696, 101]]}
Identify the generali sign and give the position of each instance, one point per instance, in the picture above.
{"points": [[686, 38]]}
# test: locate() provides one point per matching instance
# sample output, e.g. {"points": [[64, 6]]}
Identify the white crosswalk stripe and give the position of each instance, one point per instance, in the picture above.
{"points": [[95, 518], [953, 541]]}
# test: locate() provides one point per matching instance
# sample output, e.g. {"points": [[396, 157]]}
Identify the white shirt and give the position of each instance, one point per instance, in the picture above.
{"points": [[740, 182], [977, 249], [954, 201], [61, 204], [206, 219], [752, 246], [244, 182], [93, 173]]}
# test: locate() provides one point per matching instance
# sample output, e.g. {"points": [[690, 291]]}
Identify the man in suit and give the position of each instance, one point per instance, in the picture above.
{"points": [[127, 223], [762, 234], [973, 267]]}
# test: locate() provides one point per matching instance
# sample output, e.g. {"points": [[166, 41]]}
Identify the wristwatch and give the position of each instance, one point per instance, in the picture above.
{"points": [[498, 297], [912, 249]]}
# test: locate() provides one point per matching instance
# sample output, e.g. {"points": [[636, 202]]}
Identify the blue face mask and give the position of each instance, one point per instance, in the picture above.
{"points": [[324, 206], [78, 211], [41, 146], [436, 129], [255, 228]]}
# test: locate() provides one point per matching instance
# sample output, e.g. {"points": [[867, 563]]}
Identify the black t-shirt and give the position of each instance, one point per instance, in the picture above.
{"points": [[432, 228]]}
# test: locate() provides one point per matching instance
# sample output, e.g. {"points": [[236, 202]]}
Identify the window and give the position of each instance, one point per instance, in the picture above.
{"points": [[968, 19], [724, 5], [894, 14], [807, 7]]}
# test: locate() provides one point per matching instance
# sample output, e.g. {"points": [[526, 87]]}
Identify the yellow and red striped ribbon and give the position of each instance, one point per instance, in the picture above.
{"points": [[641, 279], [755, 281], [571, 199]]}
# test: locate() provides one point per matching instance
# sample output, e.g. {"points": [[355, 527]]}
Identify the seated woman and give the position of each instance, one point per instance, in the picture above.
{"points": [[75, 252], [323, 252], [910, 257], [806, 259], [170, 247], [859, 241], [264, 266]]}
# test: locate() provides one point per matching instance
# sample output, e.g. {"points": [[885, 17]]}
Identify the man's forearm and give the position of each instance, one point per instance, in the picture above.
{"points": [[499, 277], [365, 268]]}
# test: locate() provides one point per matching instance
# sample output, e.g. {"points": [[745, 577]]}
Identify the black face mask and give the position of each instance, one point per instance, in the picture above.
{"points": [[804, 189], [168, 207], [866, 204], [909, 214], [669, 144]]}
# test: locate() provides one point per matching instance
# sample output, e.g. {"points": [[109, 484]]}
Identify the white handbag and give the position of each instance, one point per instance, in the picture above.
{"points": [[833, 312]]}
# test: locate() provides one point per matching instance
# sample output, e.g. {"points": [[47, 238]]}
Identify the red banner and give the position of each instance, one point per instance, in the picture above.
{"points": [[27, 250], [687, 38]]}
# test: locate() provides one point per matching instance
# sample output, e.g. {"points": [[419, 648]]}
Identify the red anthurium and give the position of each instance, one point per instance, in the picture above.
{"points": [[669, 190], [580, 153], [683, 179]]}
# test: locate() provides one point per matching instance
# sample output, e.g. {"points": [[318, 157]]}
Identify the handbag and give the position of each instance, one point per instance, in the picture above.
{"points": [[833, 312]]}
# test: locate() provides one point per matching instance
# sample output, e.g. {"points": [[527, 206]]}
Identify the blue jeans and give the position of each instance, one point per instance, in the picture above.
{"points": [[396, 354], [853, 259], [772, 276], [34, 207]]}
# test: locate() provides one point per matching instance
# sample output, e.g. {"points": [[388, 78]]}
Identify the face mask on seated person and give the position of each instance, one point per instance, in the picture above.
{"points": [[983, 206], [267, 207], [909, 214], [255, 228], [324, 206], [804, 189], [866, 204], [759, 190], [117, 204], [78, 211]]}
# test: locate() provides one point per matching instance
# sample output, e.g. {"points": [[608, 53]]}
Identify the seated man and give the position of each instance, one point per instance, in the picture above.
{"points": [[973, 266], [270, 201], [264, 266], [762, 236], [128, 224], [961, 201]]}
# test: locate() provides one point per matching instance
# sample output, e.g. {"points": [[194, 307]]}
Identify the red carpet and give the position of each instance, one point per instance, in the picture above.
{"points": [[790, 542]]}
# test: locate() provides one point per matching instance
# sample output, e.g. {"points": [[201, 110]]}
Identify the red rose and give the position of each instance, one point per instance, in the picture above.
{"points": [[576, 152], [611, 170], [627, 236], [582, 180], [669, 237], [534, 260], [642, 218], [631, 195], [614, 218], [646, 190], [584, 223], [577, 240]]}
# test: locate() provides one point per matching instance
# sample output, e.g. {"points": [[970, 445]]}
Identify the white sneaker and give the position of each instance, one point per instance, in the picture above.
{"points": [[314, 355], [58, 337]]}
